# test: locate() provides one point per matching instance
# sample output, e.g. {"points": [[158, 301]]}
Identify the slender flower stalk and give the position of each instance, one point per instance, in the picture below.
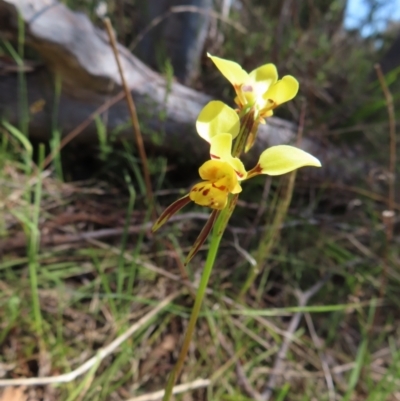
{"points": [[218, 231]]}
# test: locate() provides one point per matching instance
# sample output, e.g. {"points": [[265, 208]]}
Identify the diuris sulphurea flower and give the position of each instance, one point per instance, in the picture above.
{"points": [[257, 94], [260, 89], [221, 176], [230, 132], [220, 179]]}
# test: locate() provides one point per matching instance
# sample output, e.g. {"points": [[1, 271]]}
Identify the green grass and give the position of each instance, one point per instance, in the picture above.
{"points": [[62, 302], [86, 300]]}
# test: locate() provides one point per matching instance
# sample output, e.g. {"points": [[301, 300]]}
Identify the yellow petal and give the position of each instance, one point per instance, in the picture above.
{"points": [[237, 189], [232, 71], [264, 77], [215, 118], [227, 184], [283, 91], [282, 159], [239, 169], [214, 170], [206, 194], [221, 149]]}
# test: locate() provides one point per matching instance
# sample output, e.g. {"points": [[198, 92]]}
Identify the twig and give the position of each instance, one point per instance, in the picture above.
{"points": [[133, 113], [324, 363], [303, 298], [199, 383], [243, 381], [261, 208], [284, 18], [392, 134], [300, 129], [388, 215], [271, 235], [180, 264], [100, 355]]}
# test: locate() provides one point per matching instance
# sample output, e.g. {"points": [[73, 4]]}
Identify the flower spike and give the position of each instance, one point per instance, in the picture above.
{"points": [[258, 93]]}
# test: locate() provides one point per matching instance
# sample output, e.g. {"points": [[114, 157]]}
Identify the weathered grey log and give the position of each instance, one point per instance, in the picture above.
{"points": [[79, 53]]}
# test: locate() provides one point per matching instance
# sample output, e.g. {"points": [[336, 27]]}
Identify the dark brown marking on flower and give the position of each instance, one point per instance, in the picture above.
{"points": [[215, 157], [257, 169], [239, 174], [220, 188], [271, 104], [254, 171], [198, 189], [206, 191]]}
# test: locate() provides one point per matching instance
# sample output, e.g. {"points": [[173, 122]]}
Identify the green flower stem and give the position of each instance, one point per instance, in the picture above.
{"points": [[218, 231], [247, 122]]}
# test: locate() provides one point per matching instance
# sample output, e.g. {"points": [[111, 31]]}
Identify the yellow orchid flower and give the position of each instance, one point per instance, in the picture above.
{"points": [[219, 180], [260, 88]]}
